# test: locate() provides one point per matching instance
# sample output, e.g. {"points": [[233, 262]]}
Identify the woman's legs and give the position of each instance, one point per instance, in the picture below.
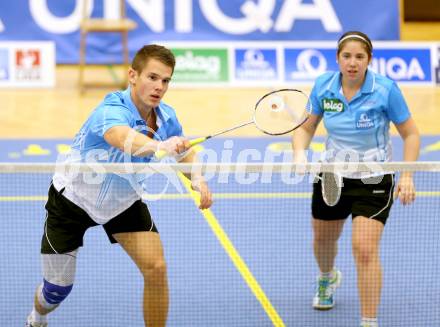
{"points": [[366, 244], [325, 242]]}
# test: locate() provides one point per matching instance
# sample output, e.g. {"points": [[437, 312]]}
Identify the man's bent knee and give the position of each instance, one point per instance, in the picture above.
{"points": [[58, 277]]}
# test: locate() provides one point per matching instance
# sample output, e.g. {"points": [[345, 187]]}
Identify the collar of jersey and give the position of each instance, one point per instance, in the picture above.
{"points": [[367, 87], [163, 115]]}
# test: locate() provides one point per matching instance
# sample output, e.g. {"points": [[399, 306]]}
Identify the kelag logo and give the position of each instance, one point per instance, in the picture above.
{"points": [[200, 65], [4, 64], [332, 105], [256, 64], [403, 65]]}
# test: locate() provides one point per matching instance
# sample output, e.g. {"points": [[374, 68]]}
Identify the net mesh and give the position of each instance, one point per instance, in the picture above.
{"points": [[248, 261]]}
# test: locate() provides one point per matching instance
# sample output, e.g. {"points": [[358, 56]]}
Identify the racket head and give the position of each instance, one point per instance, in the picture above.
{"points": [[331, 186], [281, 111]]}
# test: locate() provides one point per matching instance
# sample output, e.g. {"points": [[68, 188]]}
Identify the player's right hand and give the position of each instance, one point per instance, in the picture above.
{"points": [[174, 145]]}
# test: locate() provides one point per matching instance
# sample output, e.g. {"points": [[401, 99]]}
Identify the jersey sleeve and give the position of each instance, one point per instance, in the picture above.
{"points": [[398, 111], [172, 126], [175, 129], [109, 116], [314, 101]]}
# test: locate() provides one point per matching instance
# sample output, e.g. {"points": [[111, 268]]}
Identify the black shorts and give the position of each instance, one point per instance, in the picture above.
{"points": [[358, 198], [66, 223]]}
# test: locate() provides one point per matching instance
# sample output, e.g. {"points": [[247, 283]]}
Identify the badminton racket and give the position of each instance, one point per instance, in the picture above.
{"points": [[331, 186], [276, 113]]}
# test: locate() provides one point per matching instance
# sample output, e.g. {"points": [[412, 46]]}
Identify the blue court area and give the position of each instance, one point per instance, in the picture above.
{"points": [[247, 262]]}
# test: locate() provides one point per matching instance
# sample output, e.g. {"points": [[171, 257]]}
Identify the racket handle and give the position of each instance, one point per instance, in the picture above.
{"points": [[197, 140], [160, 154]]}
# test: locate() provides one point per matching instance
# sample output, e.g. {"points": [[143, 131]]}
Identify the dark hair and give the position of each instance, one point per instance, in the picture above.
{"points": [[356, 36], [152, 51]]}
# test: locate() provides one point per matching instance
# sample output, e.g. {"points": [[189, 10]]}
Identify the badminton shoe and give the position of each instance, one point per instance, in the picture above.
{"points": [[323, 299], [29, 323]]}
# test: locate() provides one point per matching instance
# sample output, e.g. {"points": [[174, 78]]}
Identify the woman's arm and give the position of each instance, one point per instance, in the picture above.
{"points": [[411, 139], [405, 189], [302, 137]]}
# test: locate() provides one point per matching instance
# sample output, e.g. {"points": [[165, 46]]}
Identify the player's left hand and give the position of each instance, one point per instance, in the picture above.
{"points": [[405, 189], [205, 194]]}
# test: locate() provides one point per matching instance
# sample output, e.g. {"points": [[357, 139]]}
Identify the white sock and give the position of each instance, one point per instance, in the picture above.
{"points": [[371, 322], [37, 317], [328, 275]]}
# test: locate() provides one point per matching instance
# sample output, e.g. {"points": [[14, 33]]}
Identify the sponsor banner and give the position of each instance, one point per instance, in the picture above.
{"points": [[201, 65], [207, 20], [401, 62], [4, 64], [256, 65], [281, 64], [27, 64], [304, 64], [437, 66]]}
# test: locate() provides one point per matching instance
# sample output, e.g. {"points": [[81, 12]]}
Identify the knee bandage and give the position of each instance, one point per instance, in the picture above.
{"points": [[55, 294], [59, 274]]}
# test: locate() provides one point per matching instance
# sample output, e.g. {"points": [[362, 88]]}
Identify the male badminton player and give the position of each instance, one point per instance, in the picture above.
{"points": [[357, 107], [131, 126]]}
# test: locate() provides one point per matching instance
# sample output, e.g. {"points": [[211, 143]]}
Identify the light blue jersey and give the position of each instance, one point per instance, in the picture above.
{"points": [[358, 130], [105, 196]]}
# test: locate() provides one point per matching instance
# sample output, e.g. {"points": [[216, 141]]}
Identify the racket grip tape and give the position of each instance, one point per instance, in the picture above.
{"points": [[160, 154], [197, 140]]}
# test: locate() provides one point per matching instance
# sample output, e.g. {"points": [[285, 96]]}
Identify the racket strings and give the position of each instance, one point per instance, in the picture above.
{"points": [[276, 113], [281, 111], [331, 185]]}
